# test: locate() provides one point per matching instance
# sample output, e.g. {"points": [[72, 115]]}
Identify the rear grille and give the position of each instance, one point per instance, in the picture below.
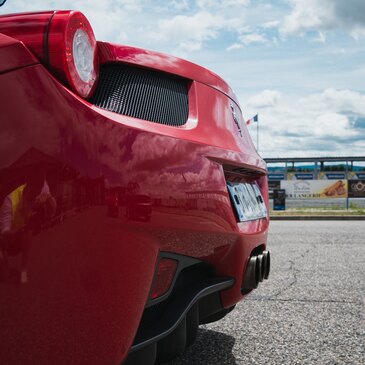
{"points": [[143, 94]]}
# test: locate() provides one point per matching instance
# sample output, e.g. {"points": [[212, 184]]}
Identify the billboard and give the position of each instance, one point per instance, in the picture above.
{"points": [[356, 188], [314, 189]]}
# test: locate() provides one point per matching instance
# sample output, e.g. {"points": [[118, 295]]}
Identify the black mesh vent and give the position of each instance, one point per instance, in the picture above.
{"points": [[143, 94]]}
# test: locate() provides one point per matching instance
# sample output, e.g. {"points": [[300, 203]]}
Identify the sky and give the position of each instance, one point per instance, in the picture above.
{"points": [[298, 64]]}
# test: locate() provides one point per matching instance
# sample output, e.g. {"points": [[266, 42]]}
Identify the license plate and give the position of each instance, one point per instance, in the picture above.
{"points": [[247, 201]]}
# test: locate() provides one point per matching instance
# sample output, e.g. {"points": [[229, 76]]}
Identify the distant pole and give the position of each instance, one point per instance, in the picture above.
{"points": [[347, 178], [257, 135]]}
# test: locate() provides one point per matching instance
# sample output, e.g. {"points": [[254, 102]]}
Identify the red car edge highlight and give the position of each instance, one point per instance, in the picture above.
{"points": [[133, 204]]}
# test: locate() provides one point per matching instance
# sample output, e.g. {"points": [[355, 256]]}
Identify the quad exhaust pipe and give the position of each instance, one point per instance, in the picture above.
{"points": [[258, 269]]}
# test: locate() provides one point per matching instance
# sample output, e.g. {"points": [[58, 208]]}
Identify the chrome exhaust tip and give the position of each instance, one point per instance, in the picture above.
{"points": [[261, 267], [257, 270], [266, 264], [252, 274]]}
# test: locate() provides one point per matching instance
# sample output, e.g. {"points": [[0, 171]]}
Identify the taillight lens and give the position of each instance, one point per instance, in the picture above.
{"points": [[163, 278], [63, 41], [72, 51]]}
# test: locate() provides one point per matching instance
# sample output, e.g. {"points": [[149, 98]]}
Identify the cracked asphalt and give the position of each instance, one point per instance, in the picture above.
{"points": [[310, 311]]}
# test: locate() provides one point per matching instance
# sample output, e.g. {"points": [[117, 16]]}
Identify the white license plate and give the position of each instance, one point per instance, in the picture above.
{"points": [[247, 201]]}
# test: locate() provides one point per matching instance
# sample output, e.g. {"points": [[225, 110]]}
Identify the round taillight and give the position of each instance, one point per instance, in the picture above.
{"points": [[72, 51]]}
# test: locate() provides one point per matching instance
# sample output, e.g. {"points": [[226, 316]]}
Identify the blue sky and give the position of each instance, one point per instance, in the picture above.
{"points": [[299, 64]]}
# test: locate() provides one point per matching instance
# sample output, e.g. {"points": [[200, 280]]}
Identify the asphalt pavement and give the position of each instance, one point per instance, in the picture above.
{"points": [[310, 311]]}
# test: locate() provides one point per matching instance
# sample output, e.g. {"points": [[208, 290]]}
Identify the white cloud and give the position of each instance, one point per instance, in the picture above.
{"points": [[357, 33], [248, 39], [251, 38], [325, 15], [204, 4], [267, 98], [320, 124], [189, 32], [341, 101], [271, 24], [235, 46], [321, 38], [332, 124], [180, 4]]}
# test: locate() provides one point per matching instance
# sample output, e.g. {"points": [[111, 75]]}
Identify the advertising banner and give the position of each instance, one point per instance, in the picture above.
{"points": [[314, 189], [300, 176], [356, 175], [356, 188], [276, 176], [331, 175]]}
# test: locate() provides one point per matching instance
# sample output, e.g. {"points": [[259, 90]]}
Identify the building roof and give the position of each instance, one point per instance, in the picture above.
{"points": [[315, 159]]}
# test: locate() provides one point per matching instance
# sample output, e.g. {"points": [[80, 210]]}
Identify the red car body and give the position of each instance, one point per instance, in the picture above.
{"points": [[87, 297]]}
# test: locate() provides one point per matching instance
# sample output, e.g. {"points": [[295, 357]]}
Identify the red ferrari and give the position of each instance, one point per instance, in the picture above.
{"points": [[133, 204]]}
